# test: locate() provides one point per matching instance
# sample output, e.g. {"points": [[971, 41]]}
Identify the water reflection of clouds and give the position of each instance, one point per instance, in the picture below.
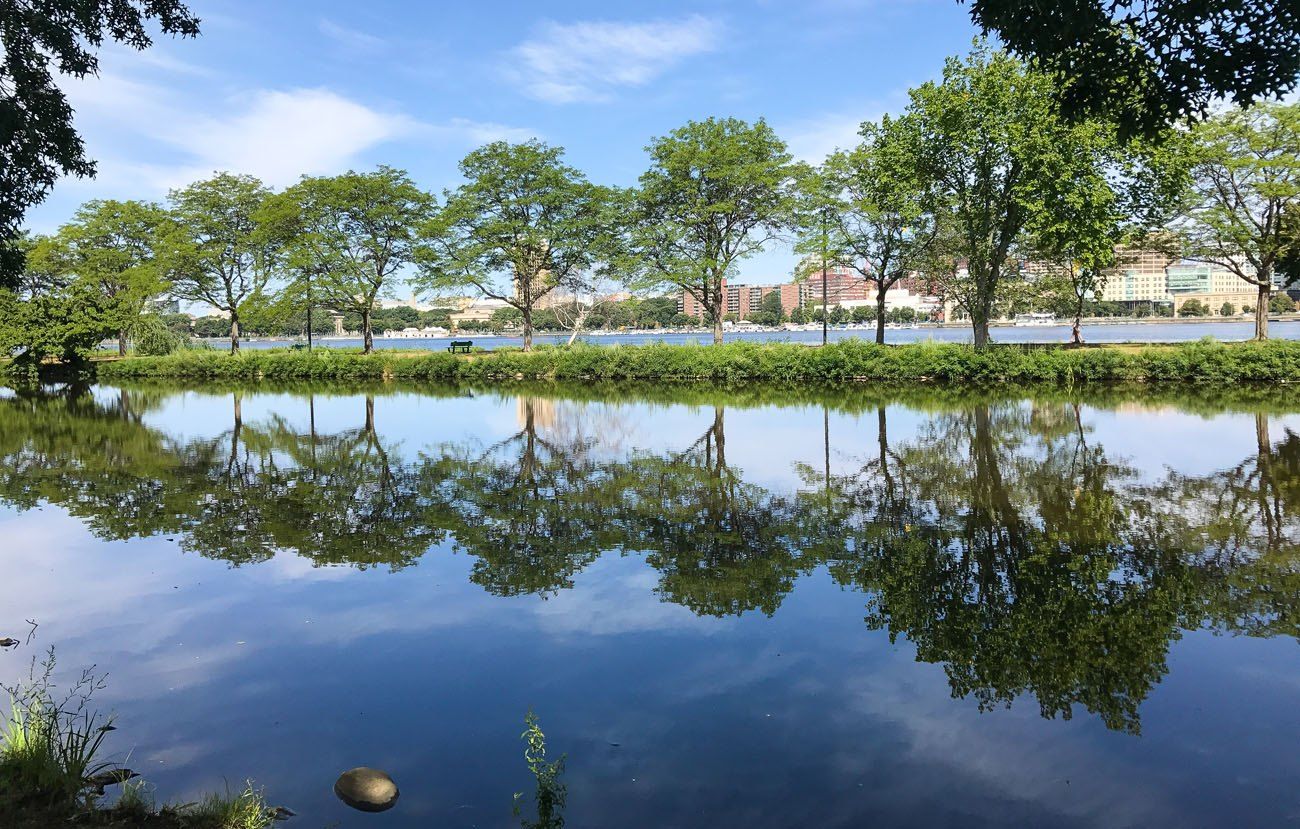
{"points": [[1192, 444], [806, 715]]}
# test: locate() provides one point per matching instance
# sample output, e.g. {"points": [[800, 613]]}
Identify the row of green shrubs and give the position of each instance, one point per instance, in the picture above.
{"points": [[1204, 361]]}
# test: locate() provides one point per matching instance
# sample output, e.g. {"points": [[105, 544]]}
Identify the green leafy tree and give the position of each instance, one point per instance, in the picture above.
{"points": [[38, 142], [508, 317], [523, 224], [770, 310], [353, 233], [1193, 308], [1145, 64], [1227, 309], [218, 252], [656, 312], [716, 192], [114, 246], [881, 228], [1245, 180], [211, 327], [989, 145], [1106, 205], [1281, 304], [52, 313]]}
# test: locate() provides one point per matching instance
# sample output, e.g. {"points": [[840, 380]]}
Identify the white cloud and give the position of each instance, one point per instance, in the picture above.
{"points": [[150, 138], [281, 135], [154, 137], [813, 140], [465, 131], [588, 60], [351, 38]]}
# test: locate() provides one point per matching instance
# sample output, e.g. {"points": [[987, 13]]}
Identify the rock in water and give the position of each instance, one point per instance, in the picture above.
{"points": [[369, 790]]}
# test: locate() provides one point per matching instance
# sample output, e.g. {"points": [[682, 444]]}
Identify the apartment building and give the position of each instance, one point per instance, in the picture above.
{"points": [[741, 300], [1140, 277]]}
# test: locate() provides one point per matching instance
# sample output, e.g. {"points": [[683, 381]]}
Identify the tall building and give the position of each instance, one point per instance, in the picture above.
{"points": [[742, 300], [842, 284], [1139, 277]]}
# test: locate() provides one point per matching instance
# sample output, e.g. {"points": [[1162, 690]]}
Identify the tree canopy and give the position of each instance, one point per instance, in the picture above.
{"points": [[38, 142], [1146, 64], [219, 251], [351, 234], [717, 190], [1245, 167], [522, 225]]}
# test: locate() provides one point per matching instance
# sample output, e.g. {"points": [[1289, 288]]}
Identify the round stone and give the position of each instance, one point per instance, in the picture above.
{"points": [[369, 790]]}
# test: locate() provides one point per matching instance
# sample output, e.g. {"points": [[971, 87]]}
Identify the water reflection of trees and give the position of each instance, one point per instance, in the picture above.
{"points": [[1001, 539]]}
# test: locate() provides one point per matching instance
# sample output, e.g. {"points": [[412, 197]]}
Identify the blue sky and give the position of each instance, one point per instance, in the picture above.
{"points": [[291, 87]]}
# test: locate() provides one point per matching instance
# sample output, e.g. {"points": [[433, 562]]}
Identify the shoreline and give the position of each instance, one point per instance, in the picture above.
{"points": [[757, 329], [1273, 362]]}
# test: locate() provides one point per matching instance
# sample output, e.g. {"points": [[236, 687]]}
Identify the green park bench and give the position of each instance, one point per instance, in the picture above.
{"points": [[460, 346]]}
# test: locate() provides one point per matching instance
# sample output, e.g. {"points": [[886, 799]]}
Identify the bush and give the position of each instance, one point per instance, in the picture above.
{"points": [[152, 338], [843, 362]]}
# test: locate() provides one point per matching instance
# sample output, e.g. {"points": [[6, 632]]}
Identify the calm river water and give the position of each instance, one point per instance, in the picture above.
{"points": [[726, 608]]}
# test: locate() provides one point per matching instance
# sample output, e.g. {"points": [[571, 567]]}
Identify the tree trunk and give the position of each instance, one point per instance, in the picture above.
{"points": [[716, 290], [121, 343], [528, 328], [880, 314], [577, 327], [234, 332], [981, 329], [1261, 309], [367, 333], [1076, 332]]}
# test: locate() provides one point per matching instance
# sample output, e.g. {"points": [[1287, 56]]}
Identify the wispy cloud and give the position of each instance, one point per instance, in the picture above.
{"points": [[282, 134], [351, 38], [589, 60], [813, 139], [150, 138], [466, 131]]}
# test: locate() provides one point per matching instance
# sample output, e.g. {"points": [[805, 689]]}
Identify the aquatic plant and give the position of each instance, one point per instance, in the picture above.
{"points": [[551, 792]]}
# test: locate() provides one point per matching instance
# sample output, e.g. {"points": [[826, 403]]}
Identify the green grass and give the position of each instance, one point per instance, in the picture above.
{"points": [[50, 747], [845, 362], [246, 809]]}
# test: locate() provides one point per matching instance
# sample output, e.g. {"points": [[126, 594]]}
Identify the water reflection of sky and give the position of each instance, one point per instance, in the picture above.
{"points": [[289, 673]]}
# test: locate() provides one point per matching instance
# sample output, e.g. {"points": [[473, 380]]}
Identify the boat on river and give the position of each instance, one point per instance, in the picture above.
{"points": [[1035, 319]]}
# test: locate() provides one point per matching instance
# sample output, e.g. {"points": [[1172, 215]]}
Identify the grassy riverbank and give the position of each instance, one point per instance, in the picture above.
{"points": [[843, 362], [52, 774]]}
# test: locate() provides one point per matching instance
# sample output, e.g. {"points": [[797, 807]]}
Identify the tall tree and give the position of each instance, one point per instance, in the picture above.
{"points": [[218, 253], [1110, 202], [716, 192], [1245, 179], [881, 225], [989, 144], [353, 232], [113, 245], [523, 224], [38, 142], [1145, 64]]}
